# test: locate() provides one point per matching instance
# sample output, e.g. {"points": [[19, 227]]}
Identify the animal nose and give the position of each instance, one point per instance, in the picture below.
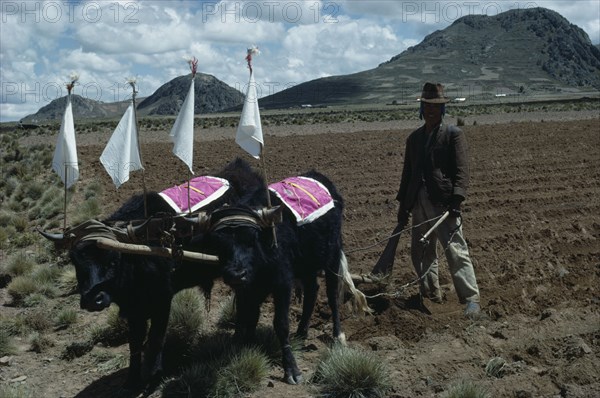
{"points": [[240, 275], [95, 303], [236, 276], [100, 299]]}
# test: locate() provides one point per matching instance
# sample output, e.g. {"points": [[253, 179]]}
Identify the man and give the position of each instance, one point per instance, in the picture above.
{"points": [[435, 179]]}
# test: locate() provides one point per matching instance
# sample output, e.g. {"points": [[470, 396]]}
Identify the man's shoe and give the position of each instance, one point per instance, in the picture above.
{"points": [[472, 310], [436, 296]]}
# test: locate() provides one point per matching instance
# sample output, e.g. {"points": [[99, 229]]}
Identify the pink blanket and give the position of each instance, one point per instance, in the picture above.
{"points": [[203, 190], [307, 198]]}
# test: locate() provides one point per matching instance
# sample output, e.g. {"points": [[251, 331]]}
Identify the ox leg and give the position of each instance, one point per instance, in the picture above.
{"points": [[281, 324], [152, 365], [247, 314], [332, 284], [311, 288], [137, 333]]}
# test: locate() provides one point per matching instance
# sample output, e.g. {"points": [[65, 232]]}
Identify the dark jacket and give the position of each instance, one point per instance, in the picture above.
{"points": [[443, 166]]}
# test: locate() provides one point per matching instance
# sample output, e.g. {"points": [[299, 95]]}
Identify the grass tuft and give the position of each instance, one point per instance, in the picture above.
{"points": [[37, 319], [467, 389], [495, 367], [15, 391], [67, 281], [65, 318], [7, 345], [227, 313], [39, 342], [86, 211], [243, 374], [19, 264], [187, 316], [34, 300], [195, 380], [21, 287], [108, 362], [347, 372], [114, 333]]}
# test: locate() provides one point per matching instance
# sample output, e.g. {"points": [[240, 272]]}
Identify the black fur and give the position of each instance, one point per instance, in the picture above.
{"points": [[143, 286], [255, 268]]}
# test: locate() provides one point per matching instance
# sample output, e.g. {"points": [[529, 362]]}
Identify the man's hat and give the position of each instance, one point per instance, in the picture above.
{"points": [[433, 94]]}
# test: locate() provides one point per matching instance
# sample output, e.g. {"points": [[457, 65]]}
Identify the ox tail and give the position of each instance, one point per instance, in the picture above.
{"points": [[360, 300]]}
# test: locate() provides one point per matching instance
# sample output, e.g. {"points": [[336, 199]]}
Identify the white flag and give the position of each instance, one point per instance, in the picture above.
{"points": [[182, 133], [64, 162], [121, 155], [249, 133]]}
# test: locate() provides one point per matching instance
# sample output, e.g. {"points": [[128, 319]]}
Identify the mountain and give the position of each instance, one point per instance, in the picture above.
{"points": [[211, 95], [519, 51], [83, 108]]}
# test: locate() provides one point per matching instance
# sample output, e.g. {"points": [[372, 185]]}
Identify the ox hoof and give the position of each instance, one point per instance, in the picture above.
{"points": [[341, 339], [293, 377]]}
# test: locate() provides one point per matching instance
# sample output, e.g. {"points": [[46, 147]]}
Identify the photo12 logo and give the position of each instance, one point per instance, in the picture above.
{"points": [[69, 11], [450, 11], [44, 92], [270, 11]]}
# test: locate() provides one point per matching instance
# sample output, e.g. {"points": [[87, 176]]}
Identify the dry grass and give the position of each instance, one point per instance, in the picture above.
{"points": [[243, 374], [467, 389], [347, 372]]}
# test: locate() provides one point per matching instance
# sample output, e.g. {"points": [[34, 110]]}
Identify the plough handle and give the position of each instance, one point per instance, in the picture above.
{"points": [[437, 224]]}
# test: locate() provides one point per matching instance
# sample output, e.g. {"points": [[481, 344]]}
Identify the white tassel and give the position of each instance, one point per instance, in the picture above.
{"points": [[360, 300]]}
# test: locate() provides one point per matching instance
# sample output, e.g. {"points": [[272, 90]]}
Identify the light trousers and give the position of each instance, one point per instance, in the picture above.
{"points": [[451, 238]]}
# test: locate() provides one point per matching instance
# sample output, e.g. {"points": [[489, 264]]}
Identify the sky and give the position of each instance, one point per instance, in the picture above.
{"points": [[107, 42]]}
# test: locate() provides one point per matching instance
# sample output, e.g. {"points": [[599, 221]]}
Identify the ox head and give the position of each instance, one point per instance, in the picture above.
{"points": [[241, 238], [97, 269]]}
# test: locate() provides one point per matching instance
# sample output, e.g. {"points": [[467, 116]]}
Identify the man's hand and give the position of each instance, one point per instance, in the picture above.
{"points": [[403, 217], [454, 207]]}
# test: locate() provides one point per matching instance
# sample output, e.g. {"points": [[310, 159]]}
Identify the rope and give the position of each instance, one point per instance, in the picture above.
{"points": [[418, 279], [393, 235]]}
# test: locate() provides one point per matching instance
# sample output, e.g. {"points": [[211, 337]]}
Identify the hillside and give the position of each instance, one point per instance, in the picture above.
{"points": [[212, 95], [83, 108], [525, 51]]}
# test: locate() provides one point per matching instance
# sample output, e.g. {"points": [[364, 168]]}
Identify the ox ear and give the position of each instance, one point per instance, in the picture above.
{"points": [[270, 216]]}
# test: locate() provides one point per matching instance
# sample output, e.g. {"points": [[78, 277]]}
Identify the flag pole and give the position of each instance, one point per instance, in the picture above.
{"points": [[65, 202], [137, 134], [69, 88], [264, 168], [194, 67]]}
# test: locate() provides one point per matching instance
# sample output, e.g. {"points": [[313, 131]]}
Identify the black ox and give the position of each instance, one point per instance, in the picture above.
{"points": [[142, 286], [256, 267]]}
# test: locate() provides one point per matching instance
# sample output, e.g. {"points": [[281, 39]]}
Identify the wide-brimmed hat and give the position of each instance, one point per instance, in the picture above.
{"points": [[433, 94]]}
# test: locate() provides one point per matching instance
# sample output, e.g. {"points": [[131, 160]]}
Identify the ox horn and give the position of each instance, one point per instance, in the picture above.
{"points": [[270, 216], [109, 244], [60, 240], [53, 237]]}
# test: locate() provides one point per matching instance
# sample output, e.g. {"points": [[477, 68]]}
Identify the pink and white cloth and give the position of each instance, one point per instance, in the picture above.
{"points": [[203, 190], [307, 198]]}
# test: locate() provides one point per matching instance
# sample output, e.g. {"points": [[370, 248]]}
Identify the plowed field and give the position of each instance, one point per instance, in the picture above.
{"points": [[532, 220]]}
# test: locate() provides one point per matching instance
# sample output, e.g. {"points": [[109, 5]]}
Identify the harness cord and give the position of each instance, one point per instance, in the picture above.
{"points": [[394, 235], [422, 276]]}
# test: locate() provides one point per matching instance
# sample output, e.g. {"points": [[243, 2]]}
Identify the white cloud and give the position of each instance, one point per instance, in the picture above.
{"points": [[105, 41], [89, 61]]}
